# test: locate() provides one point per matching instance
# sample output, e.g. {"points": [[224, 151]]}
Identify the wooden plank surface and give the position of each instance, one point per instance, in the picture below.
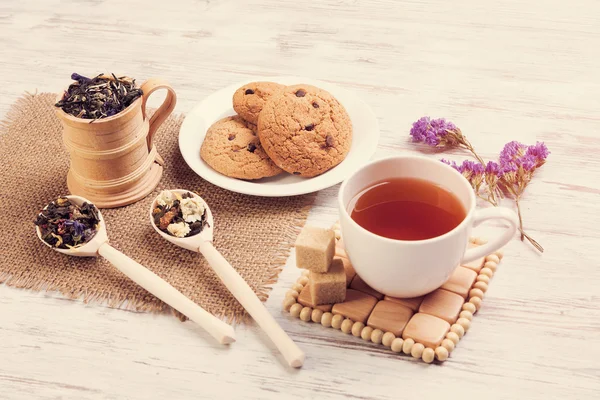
{"points": [[504, 70]]}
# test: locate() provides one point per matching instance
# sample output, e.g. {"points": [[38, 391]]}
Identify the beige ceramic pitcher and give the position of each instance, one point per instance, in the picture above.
{"points": [[113, 161]]}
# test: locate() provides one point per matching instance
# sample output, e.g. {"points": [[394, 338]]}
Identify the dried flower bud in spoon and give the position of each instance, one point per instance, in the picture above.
{"points": [[179, 215], [66, 225]]}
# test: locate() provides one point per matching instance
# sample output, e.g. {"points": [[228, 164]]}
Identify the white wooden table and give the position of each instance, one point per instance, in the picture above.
{"points": [[511, 69]]}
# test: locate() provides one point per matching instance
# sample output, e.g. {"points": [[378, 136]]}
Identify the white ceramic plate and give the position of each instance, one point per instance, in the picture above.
{"points": [[219, 105]]}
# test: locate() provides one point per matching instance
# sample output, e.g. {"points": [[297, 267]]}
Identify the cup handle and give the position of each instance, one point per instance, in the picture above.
{"points": [[163, 111], [498, 242]]}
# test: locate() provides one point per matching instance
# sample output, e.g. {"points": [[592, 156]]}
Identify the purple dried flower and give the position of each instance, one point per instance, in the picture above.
{"points": [[512, 151], [452, 164], [472, 167], [529, 163], [492, 168], [435, 132], [508, 168], [538, 152]]}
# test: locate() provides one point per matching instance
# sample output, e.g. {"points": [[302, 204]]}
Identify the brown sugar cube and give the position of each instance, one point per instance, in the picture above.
{"points": [[475, 265], [460, 281], [315, 248], [357, 306], [390, 317], [348, 268], [426, 329], [413, 303], [360, 285], [330, 287], [442, 304], [305, 299]]}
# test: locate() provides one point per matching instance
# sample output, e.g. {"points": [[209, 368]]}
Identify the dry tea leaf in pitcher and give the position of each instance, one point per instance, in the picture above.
{"points": [[98, 97], [180, 216], [65, 225]]}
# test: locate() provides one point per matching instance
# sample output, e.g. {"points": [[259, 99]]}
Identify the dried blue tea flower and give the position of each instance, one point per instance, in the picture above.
{"points": [[181, 217], [66, 225], [98, 97]]}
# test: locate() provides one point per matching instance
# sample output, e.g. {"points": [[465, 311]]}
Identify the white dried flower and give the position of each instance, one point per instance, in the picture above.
{"points": [[166, 198], [192, 209], [179, 229]]}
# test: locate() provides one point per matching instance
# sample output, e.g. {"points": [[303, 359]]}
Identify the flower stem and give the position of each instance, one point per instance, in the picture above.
{"points": [[469, 147], [524, 235], [520, 217]]}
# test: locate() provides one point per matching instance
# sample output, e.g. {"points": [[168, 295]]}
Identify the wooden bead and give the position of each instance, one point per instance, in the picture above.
{"points": [[377, 336], [428, 355], [288, 302], [491, 265], [441, 353], [336, 321], [453, 336], [326, 319], [366, 333], [480, 241], [476, 301], [448, 345], [417, 350], [316, 316], [305, 272], [465, 323], [297, 287], [357, 328], [469, 307], [347, 325], [458, 329], [305, 314], [466, 314], [499, 253], [292, 293], [336, 226], [303, 280], [481, 286], [476, 293], [483, 278], [397, 345], [486, 271], [493, 258], [295, 310], [407, 346], [387, 339]]}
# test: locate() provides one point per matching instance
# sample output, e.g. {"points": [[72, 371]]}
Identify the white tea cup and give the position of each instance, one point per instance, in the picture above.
{"points": [[411, 268]]}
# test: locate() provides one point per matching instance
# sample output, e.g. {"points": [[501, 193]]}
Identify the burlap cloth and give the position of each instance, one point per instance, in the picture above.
{"points": [[255, 234]]}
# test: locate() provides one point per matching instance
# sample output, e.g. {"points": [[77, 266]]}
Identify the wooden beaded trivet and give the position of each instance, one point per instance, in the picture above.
{"points": [[427, 328]]}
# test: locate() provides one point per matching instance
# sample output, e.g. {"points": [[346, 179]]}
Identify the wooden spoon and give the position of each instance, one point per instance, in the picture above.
{"points": [[98, 246], [202, 242]]}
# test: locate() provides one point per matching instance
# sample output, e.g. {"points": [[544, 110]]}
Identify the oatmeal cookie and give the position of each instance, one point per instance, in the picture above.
{"points": [[248, 100], [305, 130], [232, 148]]}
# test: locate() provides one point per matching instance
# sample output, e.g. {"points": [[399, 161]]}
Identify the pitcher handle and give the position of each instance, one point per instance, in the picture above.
{"points": [[501, 213], [161, 113]]}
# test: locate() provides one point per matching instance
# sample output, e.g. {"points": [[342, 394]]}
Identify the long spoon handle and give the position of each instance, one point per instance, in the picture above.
{"points": [[248, 299], [147, 279]]}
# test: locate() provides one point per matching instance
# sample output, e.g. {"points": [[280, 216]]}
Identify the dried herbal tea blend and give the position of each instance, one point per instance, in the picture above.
{"points": [[98, 97], [65, 225], [179, 215]]}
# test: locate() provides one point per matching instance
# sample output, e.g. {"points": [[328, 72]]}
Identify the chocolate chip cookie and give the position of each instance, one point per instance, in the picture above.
{"points": [[305, 130], [232, 148], [248, 100]]}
